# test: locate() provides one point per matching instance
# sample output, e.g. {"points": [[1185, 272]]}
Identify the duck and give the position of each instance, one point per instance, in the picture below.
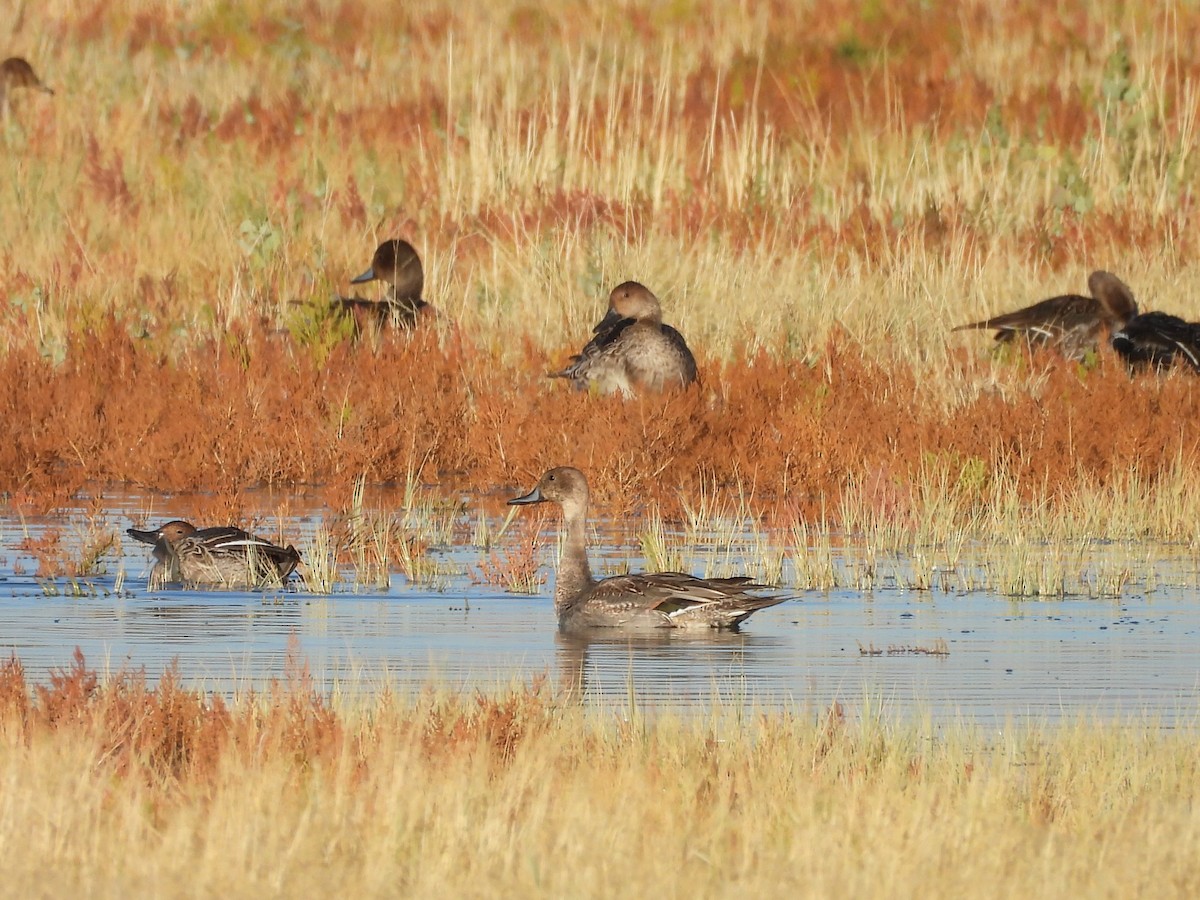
{"points": [[224, 556], [16, 72], [1071, 323], [631, 351], [397, 264], [637, 602], [1158, 339]]}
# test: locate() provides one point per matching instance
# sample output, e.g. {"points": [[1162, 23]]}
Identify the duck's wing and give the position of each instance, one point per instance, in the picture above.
{"points": [[595, 352], [687, 362], [675, 594], [226, 534], [1158, 339], [234, 540], [1046, 320], [229, 542]]}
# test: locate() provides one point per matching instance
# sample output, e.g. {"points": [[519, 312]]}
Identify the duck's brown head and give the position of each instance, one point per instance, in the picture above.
{"points": [[396, 263], [173, 532], [564, 485], [1114, 295], [16, 72], [632, 300]]}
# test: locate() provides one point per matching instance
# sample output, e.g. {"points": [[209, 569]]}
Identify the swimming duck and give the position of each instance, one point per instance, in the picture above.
{"points": [[395, 263], [658, 600], [16, 72], [632, 351], [1070, 323], [1158, 339], [227, 556]]}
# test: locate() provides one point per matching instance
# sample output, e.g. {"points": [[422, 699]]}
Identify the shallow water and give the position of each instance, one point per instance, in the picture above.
{"points": [[1044, 659]]}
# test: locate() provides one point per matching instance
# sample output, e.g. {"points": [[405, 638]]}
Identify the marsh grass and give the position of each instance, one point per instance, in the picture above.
{"points": [[943, 533], [816, 194], [516, 791]]}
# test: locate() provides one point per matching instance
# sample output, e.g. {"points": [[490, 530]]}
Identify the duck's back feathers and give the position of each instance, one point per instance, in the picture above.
{"points": [[590, 363], [1045, 320], [375, 315]]}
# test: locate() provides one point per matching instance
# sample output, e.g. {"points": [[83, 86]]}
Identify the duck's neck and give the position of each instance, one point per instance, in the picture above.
{"points": [[574, 573]]}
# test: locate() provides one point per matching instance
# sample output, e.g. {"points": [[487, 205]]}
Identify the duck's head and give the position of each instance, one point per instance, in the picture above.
{"points": [[17, 72], [564, 485], [632, 300], [1114, 295], [396, 263], [173, 532]]}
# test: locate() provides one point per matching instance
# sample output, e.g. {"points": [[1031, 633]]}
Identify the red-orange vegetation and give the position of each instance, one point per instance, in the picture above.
{"points": [[169, 735], [257, 410]]}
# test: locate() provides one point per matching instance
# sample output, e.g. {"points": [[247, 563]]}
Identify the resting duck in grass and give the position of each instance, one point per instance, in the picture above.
{"points": [[1158, 339], [16, 72], [1071, 324], [397, 265], [225, 557], [632, 351], [635, 602]]}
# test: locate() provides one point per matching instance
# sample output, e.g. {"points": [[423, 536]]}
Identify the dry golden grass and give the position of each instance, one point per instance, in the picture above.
{"points": [[114, 788], [883, 167]]}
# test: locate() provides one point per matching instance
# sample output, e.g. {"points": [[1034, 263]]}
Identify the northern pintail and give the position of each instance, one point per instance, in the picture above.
{"points": [[16, 72], [396, 264], [1072, 324], [632, 351], [226, 556], [1158, 339], [658, 600]]}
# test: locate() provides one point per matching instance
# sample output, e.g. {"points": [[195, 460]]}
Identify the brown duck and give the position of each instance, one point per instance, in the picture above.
{"points": [[1071, 324], [631, 350], [397, 265], [16, 72], [636, 602], [225, 556]]}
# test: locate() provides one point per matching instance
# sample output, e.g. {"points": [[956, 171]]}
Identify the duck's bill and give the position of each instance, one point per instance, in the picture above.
{"points": [[534, 496], [146, 537], [366, 276]]}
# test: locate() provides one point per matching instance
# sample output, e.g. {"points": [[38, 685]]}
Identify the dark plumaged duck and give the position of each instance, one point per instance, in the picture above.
{"points": [[636, 602], [631, 350], [1158, 339], [225, 557], [1071, 324], [16, 72], [397, 265]]}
